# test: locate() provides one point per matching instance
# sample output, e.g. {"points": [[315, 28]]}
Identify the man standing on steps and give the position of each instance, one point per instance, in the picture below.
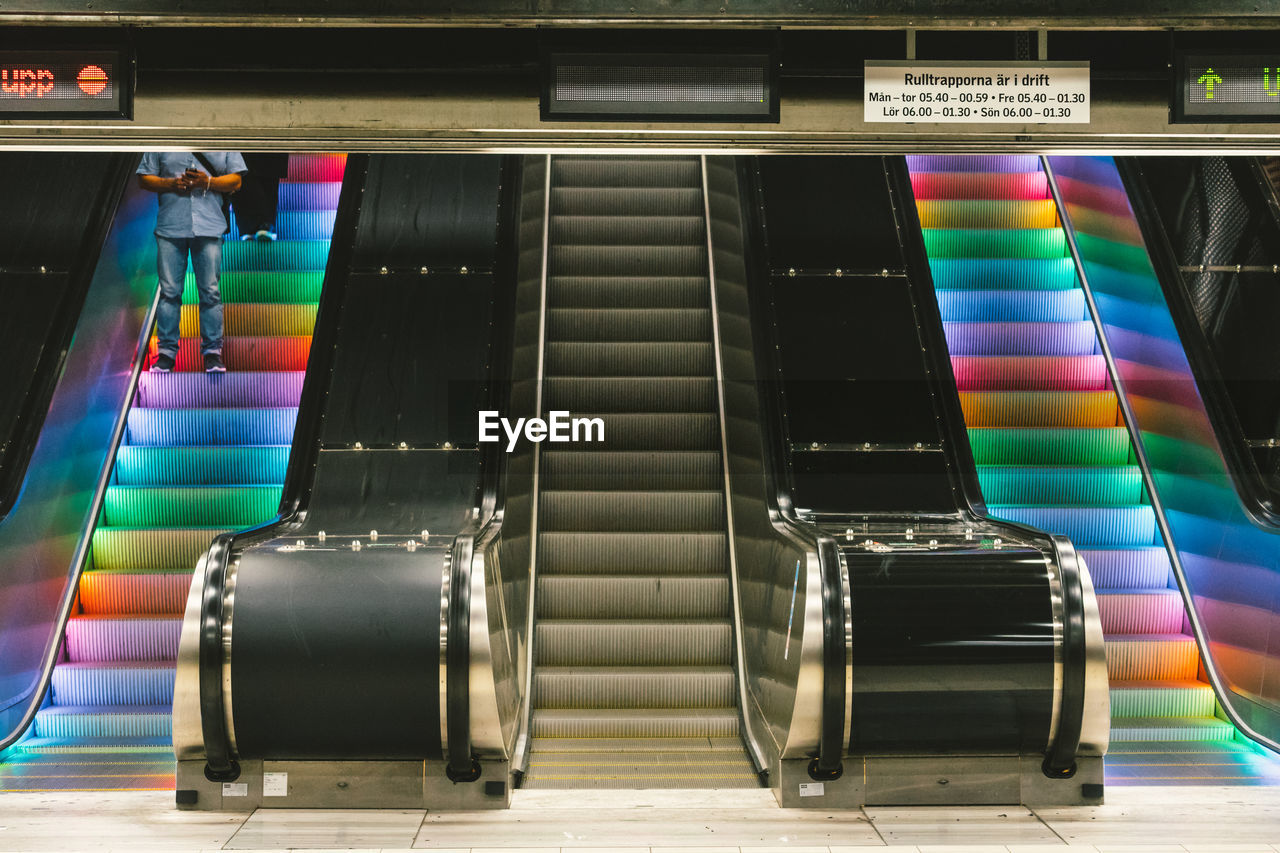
{"points": [[190, 222]]}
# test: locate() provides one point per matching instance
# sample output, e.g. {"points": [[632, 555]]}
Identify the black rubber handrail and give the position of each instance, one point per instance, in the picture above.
{"points": [[1246, 477], [1060, 755], [775, 464], [220, 764], [48, 368], [462, 765]]}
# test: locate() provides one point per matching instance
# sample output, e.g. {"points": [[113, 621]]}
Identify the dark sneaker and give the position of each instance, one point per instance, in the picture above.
{"points": [[264, 235], [162, 364], [213, 363]]}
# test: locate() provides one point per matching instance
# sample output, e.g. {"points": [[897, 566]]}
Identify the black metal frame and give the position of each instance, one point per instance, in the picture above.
{"points": [[1060, 757], [220, 765], [31, 417], [828, 763], [1241, 465]]}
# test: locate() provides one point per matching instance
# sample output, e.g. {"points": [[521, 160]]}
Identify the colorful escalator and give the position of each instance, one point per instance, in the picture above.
{"points": [[202, 454], [1052, 450]]}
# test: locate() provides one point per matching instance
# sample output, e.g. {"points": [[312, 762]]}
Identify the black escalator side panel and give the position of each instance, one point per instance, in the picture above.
{"points": [[828, 213], [315, 677], [953, 652], [56, 215]]}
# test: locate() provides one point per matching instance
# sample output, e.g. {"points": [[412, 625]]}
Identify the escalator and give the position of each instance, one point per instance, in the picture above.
{"points": [[201, 455], [1049, 436], [634, 684]]}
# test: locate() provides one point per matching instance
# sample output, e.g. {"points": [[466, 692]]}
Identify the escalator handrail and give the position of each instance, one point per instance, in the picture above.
{"points": [[85, 542], [837, 684], [299, 476], [48, 369], [1222, 693], [1254, 495], [1067, 724], [455, 706]]}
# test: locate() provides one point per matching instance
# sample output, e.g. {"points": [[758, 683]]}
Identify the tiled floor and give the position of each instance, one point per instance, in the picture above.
{"points": [[1135, 820]]}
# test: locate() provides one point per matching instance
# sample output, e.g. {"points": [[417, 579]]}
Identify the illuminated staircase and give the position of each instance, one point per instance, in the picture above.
{"points": [[1051, 447], [202, 454]]}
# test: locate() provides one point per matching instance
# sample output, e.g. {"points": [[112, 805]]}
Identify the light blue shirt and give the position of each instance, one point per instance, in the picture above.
{"points": [[197, 213]]}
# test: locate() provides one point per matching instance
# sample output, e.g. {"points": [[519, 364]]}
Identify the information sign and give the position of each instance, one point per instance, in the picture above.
{"points": [[977, 92]]}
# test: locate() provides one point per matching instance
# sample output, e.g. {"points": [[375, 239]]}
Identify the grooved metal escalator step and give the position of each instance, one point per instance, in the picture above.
{"points": [[208, 427], [1162, 699], [1077, 337], [629, 324], [99, 639], [660, 431], [628, 260], [652, 511], [566, 596], [1040, 485], [116, 683], [630, 172], [639, 291], [255, 318], [1141, 611], [631, 469], [633, 687], [570, 745], [1128, 568], [133, 549], [614, 553], [623, 394], [242, 389], [1152, 657], [172, 506], [201, 466], [104, 592], [1049, 445], [1030, 372], [127, 721], [1130, 729], [640, 770], [632, 643], [636, 723], [687, 358], [628, 230], [626, 201], [1012, 306], [1073, 409]]}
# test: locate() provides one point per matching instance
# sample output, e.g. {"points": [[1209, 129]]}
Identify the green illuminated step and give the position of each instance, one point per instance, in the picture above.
{"points": [[201, 466], [149, 549], [173, 506], [1131, 729], [1049, 446], [1046, 485], [1161, 699], [994, 243], [278, 286]]}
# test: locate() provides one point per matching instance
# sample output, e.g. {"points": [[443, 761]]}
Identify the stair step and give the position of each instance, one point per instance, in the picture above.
{"points": [[1088, 527], [631, 292], [255, 319], [593, 260], [635, 770], [207, 427], [1030, 373], [1049, 445], [995, 243], [629, 324], [648, 394], [1161, 699], [174, 506], [632, 643], [631, 469], [969, 185], [101, 639], [1040, 485], [201, 466], [234, 390], [983, 338], [160, 746], [297, 224], [689, 553], [633, 687], [654, 230], [1144, 611], [131, 683], [1012, 306], [114, 721], [284, 255], [638, 511], [146, 549], [686, 358], [1190, 729], [592, 745], [644, 723], [1152, 657], [248, 354], [133, 593], [1074, 409], [626, 201], [1011, 274], [316, 167], [289, 287], [987, 165], [1129, 568], [630, 172], [569, 596], [988, 213]]}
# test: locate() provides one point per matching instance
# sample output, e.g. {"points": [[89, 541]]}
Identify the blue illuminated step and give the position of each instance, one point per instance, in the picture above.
{"points": [[93, 721], [303, 195], [99, 747], [1003, 273], [988, 338], [1128, 568], [300, 225], [118, 683], [205, 427], [1088, 527], [1040, 485], [999, 163], [281, 255], [1005, 306]]}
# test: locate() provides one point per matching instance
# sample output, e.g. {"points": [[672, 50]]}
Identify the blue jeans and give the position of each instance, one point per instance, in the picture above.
{"points": [[171, 265]]}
